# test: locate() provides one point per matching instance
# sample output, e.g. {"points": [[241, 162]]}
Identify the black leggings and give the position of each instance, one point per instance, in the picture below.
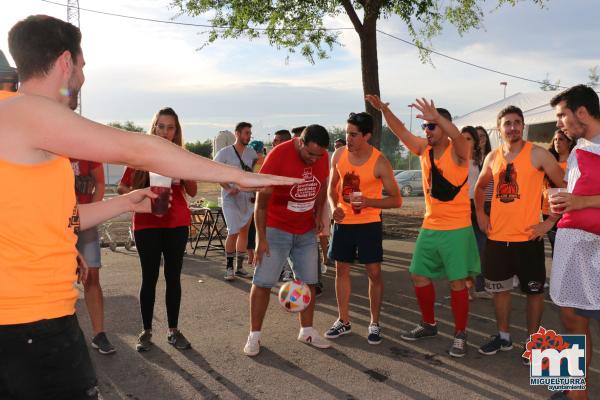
{"points": [[151, 243]]}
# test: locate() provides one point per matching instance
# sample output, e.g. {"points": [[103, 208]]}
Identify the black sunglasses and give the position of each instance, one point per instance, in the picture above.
{"points": [[429, 126]]}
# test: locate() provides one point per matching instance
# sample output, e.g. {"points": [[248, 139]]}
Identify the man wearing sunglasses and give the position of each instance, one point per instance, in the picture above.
{"points": [[237, 206], [515, 245], [446, 246], [359, 172]]}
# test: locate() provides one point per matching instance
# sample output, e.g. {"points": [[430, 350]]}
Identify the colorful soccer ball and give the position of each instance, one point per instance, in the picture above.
{"points": [[294, 296]]}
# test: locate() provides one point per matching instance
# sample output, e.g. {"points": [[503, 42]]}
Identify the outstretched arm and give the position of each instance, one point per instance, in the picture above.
{"points": [[412, 142]]}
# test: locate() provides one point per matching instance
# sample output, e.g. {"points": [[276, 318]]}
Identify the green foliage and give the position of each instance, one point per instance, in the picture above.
{"points": [[593, 76], [547, 86], [126, 126], [203, 149]]}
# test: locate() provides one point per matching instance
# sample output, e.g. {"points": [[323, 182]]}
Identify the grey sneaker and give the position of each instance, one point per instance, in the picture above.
{"points": [[421, 331], [229, 275], [459, 345], [144, 341], [374, 336], [177, 340], [241, 272], [101, 343]]}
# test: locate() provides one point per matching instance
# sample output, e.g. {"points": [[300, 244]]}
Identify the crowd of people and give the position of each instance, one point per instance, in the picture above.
{"points": [[486, 214]]}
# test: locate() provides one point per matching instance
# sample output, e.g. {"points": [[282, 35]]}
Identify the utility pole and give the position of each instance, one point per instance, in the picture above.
{"points": [[504, 84], [410, 128], [73, 18]]}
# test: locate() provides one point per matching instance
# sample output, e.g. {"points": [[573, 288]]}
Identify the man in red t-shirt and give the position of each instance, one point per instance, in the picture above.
{"points": [[287, 221]]}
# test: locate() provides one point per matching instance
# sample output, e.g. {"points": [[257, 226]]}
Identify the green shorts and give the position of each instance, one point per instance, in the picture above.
{"points": [[449, 254]]}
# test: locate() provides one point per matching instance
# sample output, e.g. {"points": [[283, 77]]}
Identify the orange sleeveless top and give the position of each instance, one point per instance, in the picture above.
{"points": [[359, 178], [545, 204], [516, 201], [446, 215], [37, 242], [4, 94]]}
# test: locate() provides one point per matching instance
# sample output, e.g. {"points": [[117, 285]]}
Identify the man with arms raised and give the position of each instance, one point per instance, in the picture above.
{"points": [[515, 245], [446, 246], [44, 355], [286, 224], [356, 168], [576, 265]]}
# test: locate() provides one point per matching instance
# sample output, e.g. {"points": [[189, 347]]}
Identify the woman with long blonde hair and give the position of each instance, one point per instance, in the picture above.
{"points": [[165, 236]]}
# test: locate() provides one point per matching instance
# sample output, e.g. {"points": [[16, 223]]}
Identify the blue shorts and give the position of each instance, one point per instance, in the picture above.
{"points": [[88, 244], [347, 239], [302, 251], [593, 314]]}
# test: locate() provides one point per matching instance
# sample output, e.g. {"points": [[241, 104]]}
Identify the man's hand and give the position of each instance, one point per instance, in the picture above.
{"points": [[318, 224], [376, 102], [537, 231], [566, 202], [427, 109], [82, 269], [262, 247], [338, 215], [483, 220]]}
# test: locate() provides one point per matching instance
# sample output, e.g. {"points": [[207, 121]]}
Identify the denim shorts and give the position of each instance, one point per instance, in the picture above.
{"points": [[302, 251], [88, 244], [46, 359]]}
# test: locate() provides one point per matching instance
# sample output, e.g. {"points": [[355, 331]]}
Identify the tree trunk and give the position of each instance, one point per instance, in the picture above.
{"points": [[370, 73]]}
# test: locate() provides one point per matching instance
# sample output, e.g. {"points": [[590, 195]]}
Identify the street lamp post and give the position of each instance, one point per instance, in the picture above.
{"points": [[504, 84], [410, 128]]}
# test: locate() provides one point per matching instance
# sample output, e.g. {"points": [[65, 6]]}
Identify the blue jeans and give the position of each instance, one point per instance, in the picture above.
{"points": [[302, 251]]}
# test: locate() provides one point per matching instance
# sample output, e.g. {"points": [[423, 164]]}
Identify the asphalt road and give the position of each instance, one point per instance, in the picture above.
{"points": [[214, 318]]}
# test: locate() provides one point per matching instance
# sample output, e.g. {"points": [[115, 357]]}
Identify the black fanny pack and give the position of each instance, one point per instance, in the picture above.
{"points": [[441, 188]]}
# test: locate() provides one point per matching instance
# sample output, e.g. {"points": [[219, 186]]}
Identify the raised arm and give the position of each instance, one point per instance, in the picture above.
{"points": [[412, 142]]}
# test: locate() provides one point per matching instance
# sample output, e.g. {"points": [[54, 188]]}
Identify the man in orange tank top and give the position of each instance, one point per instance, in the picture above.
{"points": [[359, 172], [446, 246], [43, 351], [515, 235]]}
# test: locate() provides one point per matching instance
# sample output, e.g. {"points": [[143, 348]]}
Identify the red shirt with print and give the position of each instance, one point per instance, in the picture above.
{"points": [[178, 214], [291, 208], [84, 182]]}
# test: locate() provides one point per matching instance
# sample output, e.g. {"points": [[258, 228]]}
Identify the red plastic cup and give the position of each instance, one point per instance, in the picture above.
{"points": [[161, 185]]}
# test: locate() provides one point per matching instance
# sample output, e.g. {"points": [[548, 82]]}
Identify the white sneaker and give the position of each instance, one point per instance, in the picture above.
{"points": [[312, 337], [252, 346]]}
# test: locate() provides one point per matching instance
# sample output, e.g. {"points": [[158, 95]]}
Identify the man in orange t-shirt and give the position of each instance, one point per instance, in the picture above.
{"points": [[446, 246], [515, 245], [356, 168]]}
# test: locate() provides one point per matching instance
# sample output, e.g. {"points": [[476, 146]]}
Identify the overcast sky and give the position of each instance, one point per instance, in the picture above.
{"points": [[133, 68]]}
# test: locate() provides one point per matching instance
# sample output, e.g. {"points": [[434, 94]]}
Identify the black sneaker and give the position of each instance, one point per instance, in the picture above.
{"points": [[495, 344], [241, 272], [100, 342], [177, 340], [459, 345], [318, 290], [421, 331], [374, 334], [338, 329], [144, 341]]}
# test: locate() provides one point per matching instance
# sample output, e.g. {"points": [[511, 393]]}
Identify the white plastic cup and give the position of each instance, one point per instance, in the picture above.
{"points": [[161, 185], [355, 201], [551, 192]]}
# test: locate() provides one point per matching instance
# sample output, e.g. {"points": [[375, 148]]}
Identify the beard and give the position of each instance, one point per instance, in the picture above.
{"points": [[73, 89]]}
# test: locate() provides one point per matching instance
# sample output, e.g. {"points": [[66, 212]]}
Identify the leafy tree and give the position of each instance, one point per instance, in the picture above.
{"points": [[127, 126], [299, 25], [593, 76], [546, 85], [203, 149]]}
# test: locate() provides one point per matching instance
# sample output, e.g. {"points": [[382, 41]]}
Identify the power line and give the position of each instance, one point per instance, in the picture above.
{"points": [[315, 29]]}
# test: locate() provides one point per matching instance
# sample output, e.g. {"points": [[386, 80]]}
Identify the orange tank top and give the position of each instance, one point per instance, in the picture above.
{"points": [[446, 215], [545, 204], [359, 178], [37, 241], [516, 201], [4, 94]]}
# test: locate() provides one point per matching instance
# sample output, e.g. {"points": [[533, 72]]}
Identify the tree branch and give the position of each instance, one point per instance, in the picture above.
{"points": [[353, 17]]}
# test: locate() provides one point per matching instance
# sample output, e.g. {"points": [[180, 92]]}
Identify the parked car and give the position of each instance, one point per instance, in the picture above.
{"points": [[410, 182]]}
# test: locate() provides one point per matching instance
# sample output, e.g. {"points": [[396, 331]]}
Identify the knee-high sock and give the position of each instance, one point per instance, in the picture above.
{"points": [[426, 299], [460, 308]]}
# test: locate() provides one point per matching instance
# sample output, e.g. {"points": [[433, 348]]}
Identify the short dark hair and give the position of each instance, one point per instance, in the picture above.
{"points": [[341, 140], [242, 125], [579, 96], [316, 134], [362, 120], [509, 110], [445, 113], [284, 134], [36, 42], [297, 131]]}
